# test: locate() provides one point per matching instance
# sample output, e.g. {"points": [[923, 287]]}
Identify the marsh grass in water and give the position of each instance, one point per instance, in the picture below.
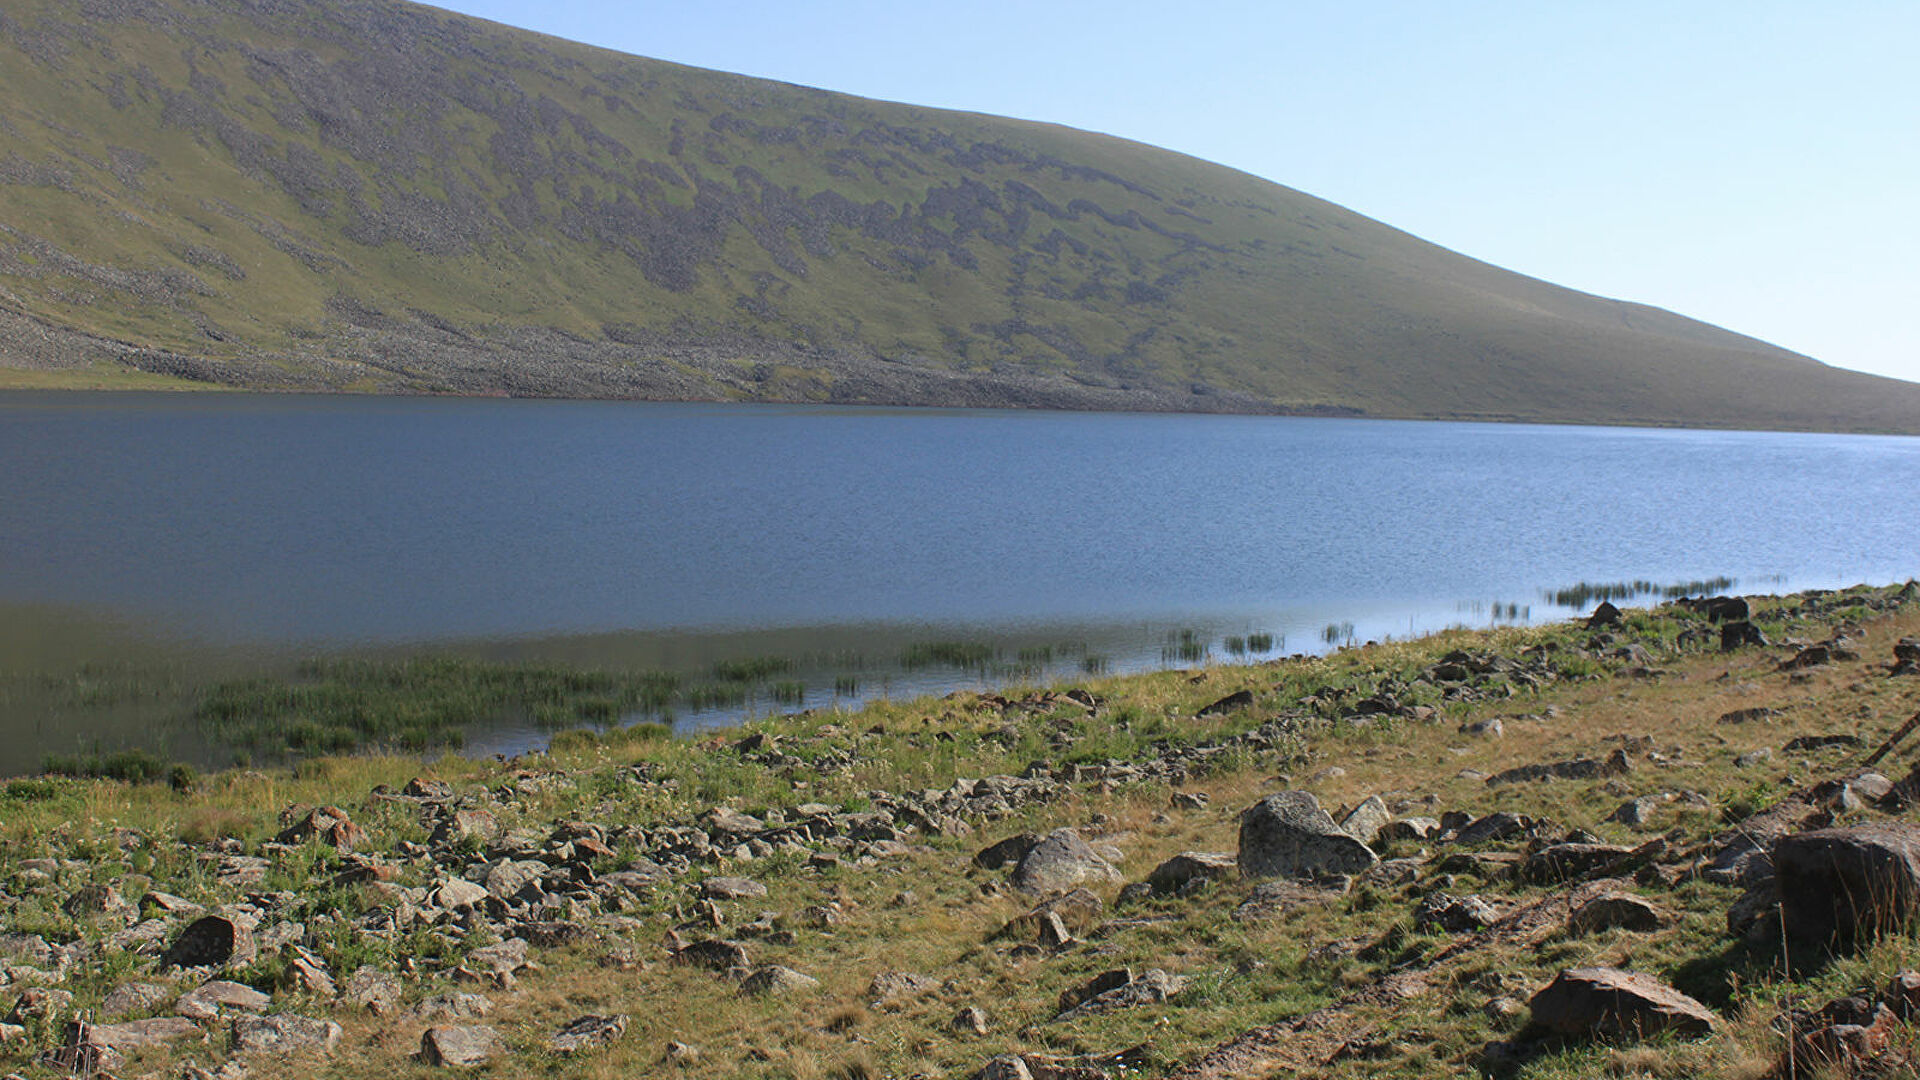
{"points": [[956, 654], [1186, 646], [1587, 593], [416, 703]]}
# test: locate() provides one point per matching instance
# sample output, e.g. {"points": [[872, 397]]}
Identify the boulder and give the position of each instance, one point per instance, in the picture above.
{"points": [[1840, 887], [1079, 910], [1147, 988], [1603, 615], [1741, 855], [1615, 911], [372, 989], [212, 1000], [284, 1034], [461, 1047], [508, 876], [1454, 914], [1739, 634], [714, 955], [587, 1032], [214, 941], [1061, 860], [1289, 835], [1191, 868], [1616, 764], [329, 825], [1412, 828], [1011, 850], [1004, 1067], [458, 895], [134, 1034], [130, 998], [777, 981], [1611, 1003], [93, 901], [1556, 863], [80, 1053], [503, 958], [893, 985], [478, 826], [1495, 826], [1239, 699], [732, 888], [1367, 819], [971, 1020]]}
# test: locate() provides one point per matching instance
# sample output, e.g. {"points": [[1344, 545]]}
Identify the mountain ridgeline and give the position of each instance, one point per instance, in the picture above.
{"points": [[374, 196]]}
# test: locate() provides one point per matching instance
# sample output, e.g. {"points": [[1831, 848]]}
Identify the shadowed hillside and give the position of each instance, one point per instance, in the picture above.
{"points": [[375, 196]]}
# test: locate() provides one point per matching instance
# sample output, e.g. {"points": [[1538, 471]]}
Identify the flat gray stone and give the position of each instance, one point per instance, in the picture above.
{"points": [[777, 981], [732, 888], [284, 1034], [461, 1047], [211, 1001], [134, 1034]]}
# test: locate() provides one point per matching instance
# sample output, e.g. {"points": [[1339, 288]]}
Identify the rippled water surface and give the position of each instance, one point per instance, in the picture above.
{"points": [[249, 526]]}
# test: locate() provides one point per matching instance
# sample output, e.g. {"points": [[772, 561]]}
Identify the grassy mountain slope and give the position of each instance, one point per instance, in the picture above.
{"points": [[378, 196]]}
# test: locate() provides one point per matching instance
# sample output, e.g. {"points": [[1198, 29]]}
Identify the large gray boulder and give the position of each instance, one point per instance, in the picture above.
{"points": [[1061, 860], [1289, 835], [1840, 887]]}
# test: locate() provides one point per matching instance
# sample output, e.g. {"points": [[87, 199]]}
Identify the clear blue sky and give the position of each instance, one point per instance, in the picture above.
{"points": [[1754, 164]]}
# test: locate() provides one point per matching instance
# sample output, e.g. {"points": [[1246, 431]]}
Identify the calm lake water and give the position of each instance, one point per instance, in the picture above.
{"points": [[251, 526]]}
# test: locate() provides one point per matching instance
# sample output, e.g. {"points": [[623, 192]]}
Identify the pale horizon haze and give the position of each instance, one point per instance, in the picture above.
{"points": [[1754, 165]]}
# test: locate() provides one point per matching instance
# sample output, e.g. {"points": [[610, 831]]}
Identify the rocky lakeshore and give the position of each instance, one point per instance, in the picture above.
{"points": [[1674, 842]]}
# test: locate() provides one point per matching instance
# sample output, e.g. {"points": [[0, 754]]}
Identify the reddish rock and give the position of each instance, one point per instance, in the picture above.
{"points": [[1840, 887], [1609, 1003]]}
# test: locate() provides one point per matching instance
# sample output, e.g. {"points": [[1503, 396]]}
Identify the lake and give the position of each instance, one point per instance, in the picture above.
{"points": [[239, 530]]}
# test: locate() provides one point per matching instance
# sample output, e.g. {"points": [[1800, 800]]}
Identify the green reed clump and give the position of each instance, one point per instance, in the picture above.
{"points": [[789, 692], [846, 685], [1587, 593], [133, 766], [714, 696], [751, 669], [336, 705], [1095, 664], [958, 654], [1260, 642], [1235, 645], [1186, 646]]}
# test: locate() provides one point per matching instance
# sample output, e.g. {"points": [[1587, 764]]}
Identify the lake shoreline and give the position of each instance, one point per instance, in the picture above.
{"points": [[934, 886]]}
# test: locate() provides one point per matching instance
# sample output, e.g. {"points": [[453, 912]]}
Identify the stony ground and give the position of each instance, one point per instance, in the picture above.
{"points": [[1656, 845]]}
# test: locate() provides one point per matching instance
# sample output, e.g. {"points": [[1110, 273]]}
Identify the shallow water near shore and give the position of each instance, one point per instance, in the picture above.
{"points": [[151, 542]]}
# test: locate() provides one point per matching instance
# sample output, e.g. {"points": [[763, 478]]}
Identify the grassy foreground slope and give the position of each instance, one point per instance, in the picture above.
{"points": [[369, 195], [661, 881]]}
